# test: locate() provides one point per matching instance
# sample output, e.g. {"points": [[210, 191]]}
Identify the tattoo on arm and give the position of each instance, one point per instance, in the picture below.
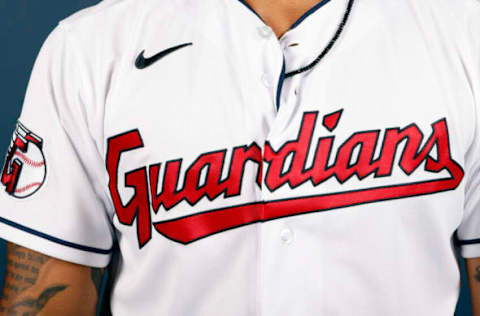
{"points": [[23, 268], [96, 275], [31, 306], [36, 284], [477, 273]]}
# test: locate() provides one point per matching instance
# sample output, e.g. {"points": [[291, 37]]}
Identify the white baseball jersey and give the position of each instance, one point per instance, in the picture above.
{"points": [[232, 188]]}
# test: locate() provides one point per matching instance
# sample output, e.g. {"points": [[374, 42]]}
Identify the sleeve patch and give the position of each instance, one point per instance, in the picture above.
{"points": [[25, 168]]}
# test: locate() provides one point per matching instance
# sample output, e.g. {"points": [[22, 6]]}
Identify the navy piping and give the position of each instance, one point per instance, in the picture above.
{"points": [[280, 84], [468, 241], [299, 20], [309, 12], [251, 9], [54, 239]]}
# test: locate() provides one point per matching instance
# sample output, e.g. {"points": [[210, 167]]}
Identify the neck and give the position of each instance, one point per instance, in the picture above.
{"points": [[281, 14]]}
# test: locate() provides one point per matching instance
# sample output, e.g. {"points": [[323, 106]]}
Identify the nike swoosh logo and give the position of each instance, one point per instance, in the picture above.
{"points": [[141, 62]]}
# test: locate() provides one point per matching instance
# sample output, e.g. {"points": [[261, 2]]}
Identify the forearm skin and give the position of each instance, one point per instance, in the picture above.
{"points": [[36, 284]]}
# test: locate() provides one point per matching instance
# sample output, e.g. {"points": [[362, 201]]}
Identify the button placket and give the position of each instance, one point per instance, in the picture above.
{"points": [[271, 51]]}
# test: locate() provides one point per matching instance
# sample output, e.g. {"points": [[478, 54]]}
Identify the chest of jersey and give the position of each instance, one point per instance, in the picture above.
{"points": [[223, 168], [212, 136]]}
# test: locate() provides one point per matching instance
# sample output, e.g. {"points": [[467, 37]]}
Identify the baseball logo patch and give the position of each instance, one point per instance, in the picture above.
{"points": [[25, 169]]}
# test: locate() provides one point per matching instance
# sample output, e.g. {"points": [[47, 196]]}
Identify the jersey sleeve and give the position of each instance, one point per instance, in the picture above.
{"points": [[53, 198], [468, 232]]}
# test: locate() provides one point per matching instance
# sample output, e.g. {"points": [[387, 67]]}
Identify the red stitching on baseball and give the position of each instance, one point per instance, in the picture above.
{"points": [[28, 161], [28, 186]]}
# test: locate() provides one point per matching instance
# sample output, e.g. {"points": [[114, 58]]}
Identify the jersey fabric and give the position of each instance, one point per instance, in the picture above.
{"points": [[234, 189]]}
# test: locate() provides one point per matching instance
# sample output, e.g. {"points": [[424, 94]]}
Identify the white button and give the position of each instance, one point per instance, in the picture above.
{"points": [[266, 80], [286, 235], [265, 31]]}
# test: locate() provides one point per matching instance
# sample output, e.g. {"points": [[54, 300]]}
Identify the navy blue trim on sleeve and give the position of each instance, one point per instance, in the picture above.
{"points": [[54, 239], [468, 242]]}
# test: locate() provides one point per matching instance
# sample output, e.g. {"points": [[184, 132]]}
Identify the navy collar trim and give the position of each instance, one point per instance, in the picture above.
{"points": [[299, 20], [309, 12], [251, 9]]}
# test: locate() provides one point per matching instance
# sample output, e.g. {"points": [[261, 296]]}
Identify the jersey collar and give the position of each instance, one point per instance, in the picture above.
{"points": [[300, 19]]}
